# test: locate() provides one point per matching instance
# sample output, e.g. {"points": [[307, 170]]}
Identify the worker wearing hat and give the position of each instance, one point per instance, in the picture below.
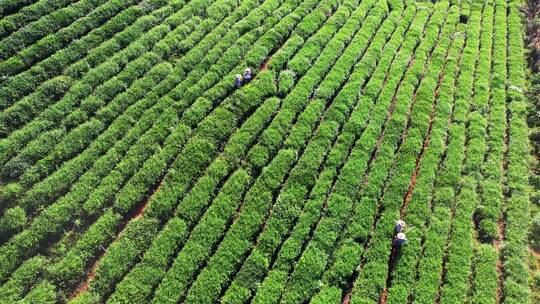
{"points": [[400, 225], [247, 74], [238, 80], [400, 240]]}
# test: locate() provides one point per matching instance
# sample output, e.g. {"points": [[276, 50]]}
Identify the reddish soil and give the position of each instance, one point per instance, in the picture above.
{"points": [[500, 235], [346, 298], [379, 141], [84, 285], [500, 267], [265, 64], [388, 116], [138, 212], [533, 28], [365, 179], [412, 182], [499, 291], [384, 296]]}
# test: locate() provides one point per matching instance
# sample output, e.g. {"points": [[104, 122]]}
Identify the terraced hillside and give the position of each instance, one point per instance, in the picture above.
{"points": [[133, 170]]}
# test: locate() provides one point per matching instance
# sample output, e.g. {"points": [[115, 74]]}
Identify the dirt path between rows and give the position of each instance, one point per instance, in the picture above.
{"points": [[498, 243], [133, 215]]}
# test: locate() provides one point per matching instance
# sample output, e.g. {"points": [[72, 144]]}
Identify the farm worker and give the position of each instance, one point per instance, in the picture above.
{"points": [[238, 80], [400, 225], [400, 239], [247, 74]]}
